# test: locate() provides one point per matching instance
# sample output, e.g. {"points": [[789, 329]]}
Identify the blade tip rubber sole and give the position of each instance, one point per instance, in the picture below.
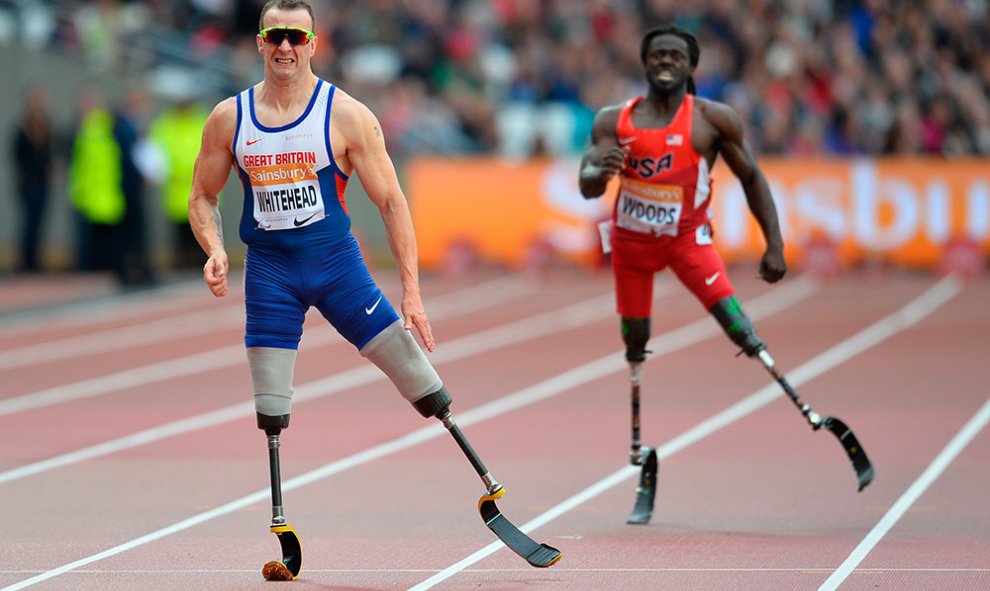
{"points": [[276, 571], [544, 557], [538, 555]]}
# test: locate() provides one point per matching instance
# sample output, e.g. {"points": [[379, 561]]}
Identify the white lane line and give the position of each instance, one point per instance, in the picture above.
{"points": [[184, 326], [572, 316], [123, 380], [917, 488], [134, 335], [926, 303], [699, 330], [113, 308], [226, 357]]}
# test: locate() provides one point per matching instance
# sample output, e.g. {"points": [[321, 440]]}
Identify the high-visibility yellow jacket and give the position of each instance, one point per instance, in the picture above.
{"points": [[95, 170], [177, 133]]}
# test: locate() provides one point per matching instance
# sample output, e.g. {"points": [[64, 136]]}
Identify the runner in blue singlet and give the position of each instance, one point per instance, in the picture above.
{"points": [[294, 141]]}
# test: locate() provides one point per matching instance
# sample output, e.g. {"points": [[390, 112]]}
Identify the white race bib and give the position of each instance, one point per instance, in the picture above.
{"points": [[649, 208], [281, 205]]}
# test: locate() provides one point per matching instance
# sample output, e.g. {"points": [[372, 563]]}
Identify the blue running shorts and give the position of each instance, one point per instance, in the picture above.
{"points": [[280, 287]]}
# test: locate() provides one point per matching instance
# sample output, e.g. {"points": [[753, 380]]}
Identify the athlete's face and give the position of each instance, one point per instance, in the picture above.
{"points": [[285, 60], [667, 63]]}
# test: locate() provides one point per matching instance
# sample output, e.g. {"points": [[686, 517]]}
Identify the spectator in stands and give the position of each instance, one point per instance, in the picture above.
{"points": [[32, 163], [484, 70]]}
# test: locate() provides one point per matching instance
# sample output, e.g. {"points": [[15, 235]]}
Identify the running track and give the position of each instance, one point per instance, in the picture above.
{"points": [[131, 460]]}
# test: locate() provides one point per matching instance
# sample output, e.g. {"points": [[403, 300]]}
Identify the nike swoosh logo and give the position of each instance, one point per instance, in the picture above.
{"points": [[253, 142], [710, 280], [368, 311], [298, 222], [627, 140]]}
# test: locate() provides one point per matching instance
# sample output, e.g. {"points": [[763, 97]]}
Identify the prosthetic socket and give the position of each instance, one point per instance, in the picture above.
{"points": [[737, 325]]}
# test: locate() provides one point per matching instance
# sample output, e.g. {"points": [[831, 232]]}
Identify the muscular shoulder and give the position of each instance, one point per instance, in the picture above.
{"points": [[608, 116], [222, 122], [225, 111], [349, 116], [606, 122], [355, 133], [720, 116]]}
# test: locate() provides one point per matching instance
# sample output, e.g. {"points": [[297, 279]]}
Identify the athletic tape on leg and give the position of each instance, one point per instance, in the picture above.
{"points": [[271, 378], [396, 353]]}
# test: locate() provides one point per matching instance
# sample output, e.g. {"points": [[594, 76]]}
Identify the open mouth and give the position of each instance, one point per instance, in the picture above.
{"points": [[665, 76]]}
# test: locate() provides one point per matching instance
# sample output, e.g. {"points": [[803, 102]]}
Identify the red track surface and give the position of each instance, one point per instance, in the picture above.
{"points": [[756, 501]]}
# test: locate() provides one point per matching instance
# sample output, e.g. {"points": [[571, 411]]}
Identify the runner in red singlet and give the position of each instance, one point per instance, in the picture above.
{"points": [[663, 147]]}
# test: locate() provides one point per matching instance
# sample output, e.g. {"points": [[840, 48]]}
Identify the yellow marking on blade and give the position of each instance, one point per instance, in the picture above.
{"points": [[497, 494]]}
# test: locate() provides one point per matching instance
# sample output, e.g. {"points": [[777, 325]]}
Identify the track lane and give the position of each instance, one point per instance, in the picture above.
{"points": [[563, 317], [521, 496], [555, 384], [721, 521]]}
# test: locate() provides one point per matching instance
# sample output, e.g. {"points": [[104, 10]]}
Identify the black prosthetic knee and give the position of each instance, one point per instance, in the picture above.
{"points": [[635, 333], [273, 425], [435, 404], [737, 325]]}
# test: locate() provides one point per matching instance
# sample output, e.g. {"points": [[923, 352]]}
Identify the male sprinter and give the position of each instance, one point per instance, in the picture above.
{"points": [[294, 140], [662, 147]]}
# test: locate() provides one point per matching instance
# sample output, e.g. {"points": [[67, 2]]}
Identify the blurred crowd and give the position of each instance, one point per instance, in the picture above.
{"points": [[512, 78], [524, 77]]}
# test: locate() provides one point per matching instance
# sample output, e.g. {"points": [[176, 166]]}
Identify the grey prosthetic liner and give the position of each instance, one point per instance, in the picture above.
{"points": [[395, 352], [271, 377], [737, 325], [635, 334]]}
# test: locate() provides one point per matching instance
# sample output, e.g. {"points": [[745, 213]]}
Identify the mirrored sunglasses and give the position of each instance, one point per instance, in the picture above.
{"points": [[275, 35]]}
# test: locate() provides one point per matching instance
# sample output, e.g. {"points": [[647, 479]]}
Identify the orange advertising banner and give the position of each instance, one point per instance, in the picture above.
{"points": [[903, 211]]}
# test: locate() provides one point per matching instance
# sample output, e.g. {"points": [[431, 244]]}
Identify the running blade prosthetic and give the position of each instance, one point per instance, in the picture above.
{"points": [[861, 463], [538, 555], [646, 492], [288, 568]]}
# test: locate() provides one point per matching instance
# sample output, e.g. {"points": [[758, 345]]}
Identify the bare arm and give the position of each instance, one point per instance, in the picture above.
{"points": [[604, 158], [365, 149], [738, 155], [210, 174]]}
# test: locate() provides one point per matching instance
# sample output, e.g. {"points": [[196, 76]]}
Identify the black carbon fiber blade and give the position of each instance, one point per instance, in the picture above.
{"points": [[646, 492], [538, 555], [861, 463]]}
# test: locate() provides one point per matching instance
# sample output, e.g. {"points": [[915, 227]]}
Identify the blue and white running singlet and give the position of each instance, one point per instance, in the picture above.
{"points": [[290, 179], [294, 222]]}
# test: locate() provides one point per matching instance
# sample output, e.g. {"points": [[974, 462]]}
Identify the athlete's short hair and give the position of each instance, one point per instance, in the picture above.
{"points": [[286, 5]]}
